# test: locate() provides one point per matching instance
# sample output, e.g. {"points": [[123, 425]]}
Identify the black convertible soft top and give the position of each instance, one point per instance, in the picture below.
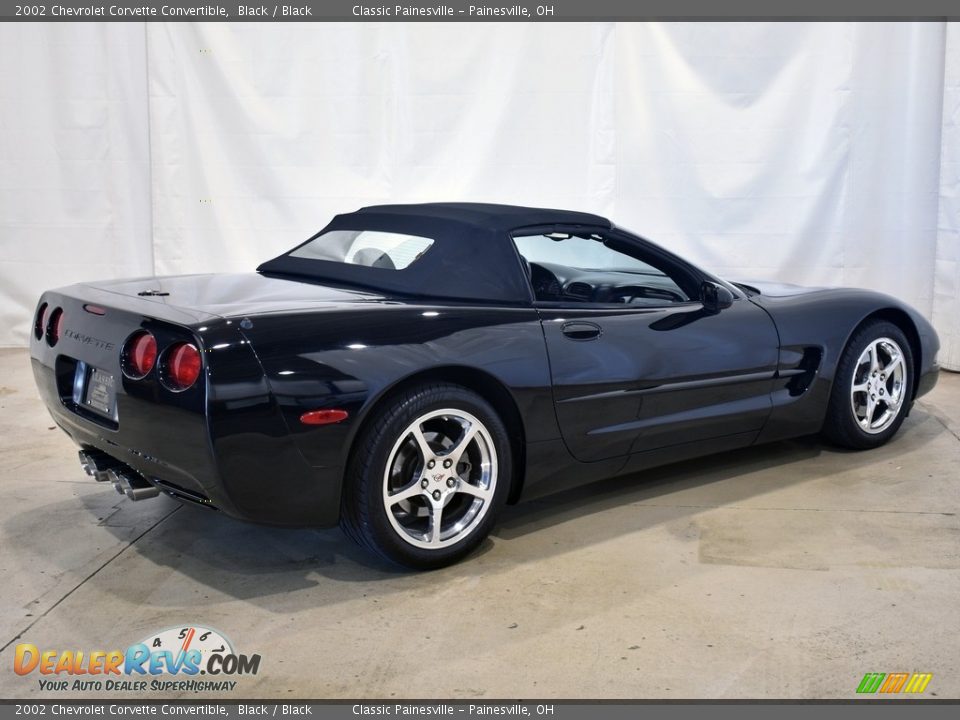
{"points": [[473, 257]]}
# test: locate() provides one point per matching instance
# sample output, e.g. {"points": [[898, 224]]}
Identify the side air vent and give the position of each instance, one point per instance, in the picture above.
{"points": [[579, 290], [808, 366]]}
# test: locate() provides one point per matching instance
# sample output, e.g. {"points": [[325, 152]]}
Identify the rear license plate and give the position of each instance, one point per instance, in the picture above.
{"points": [[101, 392]]}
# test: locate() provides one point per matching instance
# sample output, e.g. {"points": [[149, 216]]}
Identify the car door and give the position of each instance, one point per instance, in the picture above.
{"points": [[653, 373]]}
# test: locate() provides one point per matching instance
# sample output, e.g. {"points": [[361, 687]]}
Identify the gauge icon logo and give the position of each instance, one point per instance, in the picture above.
{"points": [[184, 639]]}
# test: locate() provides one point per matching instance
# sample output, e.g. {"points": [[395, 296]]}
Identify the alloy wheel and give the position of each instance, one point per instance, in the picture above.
{"points": [[440, 478], [877, 390]]}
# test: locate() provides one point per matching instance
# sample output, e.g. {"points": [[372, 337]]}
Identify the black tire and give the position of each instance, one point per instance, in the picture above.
{"points": [[843, 425], [363, 513]]}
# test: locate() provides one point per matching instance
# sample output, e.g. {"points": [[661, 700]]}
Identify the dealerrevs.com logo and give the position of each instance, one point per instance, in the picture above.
{"points": [[172, 660]]}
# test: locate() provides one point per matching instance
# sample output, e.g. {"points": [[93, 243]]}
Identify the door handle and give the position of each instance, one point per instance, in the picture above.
{"points": [[581, 330]]}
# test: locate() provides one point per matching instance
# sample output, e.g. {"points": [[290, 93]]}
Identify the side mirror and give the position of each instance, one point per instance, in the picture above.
{"points": [[715, 297]]}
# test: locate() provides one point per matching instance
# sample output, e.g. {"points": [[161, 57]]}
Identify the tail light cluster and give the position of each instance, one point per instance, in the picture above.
{"points": [[182, 367], [48, 324], [139, 355], [178, 366], [40, 323]]}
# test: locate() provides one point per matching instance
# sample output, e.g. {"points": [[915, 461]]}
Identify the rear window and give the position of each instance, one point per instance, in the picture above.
{"points": [[368, 248]]}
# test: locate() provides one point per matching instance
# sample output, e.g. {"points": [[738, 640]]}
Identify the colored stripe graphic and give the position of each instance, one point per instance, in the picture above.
{"points": [[871, 682], [918, 682], [894, 683]]}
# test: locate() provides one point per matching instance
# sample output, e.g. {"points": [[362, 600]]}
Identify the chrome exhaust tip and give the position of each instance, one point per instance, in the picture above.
{"points": [[86, 462], [113, 476], [141, 493], [97, 464], [125, 481], [129, 483]]}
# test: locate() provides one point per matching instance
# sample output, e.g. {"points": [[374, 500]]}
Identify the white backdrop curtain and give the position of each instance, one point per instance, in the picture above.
{"points": [[74, 161], [946, 305], [821, 153]]}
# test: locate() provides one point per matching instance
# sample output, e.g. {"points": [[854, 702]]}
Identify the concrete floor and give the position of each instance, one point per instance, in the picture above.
{"points": [[781, 571]]}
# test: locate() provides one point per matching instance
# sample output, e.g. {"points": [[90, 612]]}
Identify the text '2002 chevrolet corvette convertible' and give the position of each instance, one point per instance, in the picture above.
{"points": [[411, 368]]}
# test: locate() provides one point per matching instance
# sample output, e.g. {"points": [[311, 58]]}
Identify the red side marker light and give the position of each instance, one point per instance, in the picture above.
{"points": [[95, 309], [323, 417]]}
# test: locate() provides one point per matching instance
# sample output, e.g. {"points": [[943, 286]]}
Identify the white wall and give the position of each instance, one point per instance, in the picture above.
{"points": [[801, 152], [946, 306], [74, 161]]}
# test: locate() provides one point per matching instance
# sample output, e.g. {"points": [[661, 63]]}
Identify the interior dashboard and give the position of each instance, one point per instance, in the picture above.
{"points": [[553, 283]]}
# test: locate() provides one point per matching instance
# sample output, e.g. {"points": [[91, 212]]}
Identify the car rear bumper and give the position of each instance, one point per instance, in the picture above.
{"points": [[150, 438], [268, 481]]}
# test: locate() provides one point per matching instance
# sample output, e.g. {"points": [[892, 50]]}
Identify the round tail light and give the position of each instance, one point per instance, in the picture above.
{"points": [[55, 327], [181, 366], [139, 355], [40, 322]]}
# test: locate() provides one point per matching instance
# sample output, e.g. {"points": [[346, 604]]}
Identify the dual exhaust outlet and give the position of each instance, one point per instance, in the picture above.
{"points": [[124, 479]]}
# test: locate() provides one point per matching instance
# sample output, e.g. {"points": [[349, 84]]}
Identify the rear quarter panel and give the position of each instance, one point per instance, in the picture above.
{"points": [[351, 356]]}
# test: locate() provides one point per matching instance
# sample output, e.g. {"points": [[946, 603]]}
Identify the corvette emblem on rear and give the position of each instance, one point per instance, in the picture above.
{"points": [[85, 339]]}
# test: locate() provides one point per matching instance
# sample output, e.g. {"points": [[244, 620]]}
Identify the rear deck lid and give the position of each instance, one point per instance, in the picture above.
{"points": [[193, 299]]}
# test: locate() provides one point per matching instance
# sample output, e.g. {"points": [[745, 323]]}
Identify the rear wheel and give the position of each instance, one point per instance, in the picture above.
{"points": [[872, 389], [427, 477]]}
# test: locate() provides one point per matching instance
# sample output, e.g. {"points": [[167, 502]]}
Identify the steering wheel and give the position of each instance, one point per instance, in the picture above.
{"points": [[546, 285]]}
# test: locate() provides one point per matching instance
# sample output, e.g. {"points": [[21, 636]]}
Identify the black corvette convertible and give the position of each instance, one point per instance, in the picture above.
{"points": [[411, 368]]}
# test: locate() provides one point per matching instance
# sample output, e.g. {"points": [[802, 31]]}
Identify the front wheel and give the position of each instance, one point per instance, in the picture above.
{"points": [[427, 477], [872, 388]]}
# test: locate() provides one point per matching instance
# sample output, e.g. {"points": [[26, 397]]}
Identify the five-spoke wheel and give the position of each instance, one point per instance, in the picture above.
{"points": [[427, 476], [876, 393], [872, 388], [440, 478]]}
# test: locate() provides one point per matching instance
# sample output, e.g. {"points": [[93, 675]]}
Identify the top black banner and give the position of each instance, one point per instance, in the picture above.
{"points": [[457, 11]]}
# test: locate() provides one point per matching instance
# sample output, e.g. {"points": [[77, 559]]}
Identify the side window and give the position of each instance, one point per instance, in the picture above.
{"points": [[370, 248], [592, 269]]}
